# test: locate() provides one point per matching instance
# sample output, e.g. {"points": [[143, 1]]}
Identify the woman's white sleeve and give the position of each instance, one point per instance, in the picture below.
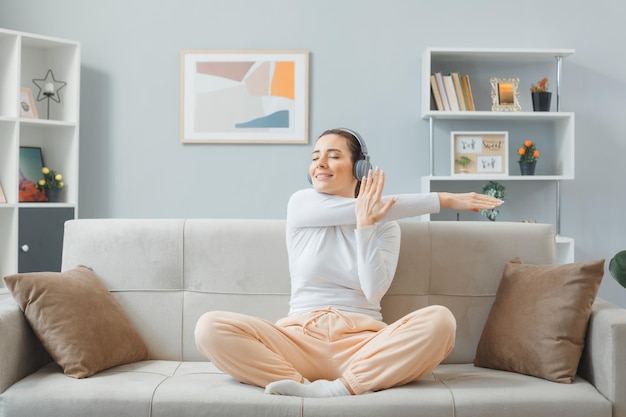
{"points": [[308, 208], [378, 248]]}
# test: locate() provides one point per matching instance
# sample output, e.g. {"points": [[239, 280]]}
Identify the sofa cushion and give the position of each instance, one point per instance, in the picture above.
{"points": [[199, 389], [538, 321], [77, 320]]}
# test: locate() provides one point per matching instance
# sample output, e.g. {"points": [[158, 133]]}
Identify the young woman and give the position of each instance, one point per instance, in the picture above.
{"points": [[343, 246]]}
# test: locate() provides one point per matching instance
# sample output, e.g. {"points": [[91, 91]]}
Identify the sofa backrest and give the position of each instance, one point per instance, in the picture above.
{"points": [[167, 272]]}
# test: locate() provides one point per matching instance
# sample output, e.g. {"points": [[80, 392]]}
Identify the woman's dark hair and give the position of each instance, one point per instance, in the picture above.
{"points": [[355, 150]]}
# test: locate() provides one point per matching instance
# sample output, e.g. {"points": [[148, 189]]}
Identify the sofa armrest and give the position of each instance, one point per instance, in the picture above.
{"points": [[603, 362], [21, 353]]}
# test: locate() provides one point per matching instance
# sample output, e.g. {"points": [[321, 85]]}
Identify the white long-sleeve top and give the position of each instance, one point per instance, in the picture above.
{"points": [[332, 263]]}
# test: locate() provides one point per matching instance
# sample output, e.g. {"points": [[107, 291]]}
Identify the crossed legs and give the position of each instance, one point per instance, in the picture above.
{"points": [[360, 352]]}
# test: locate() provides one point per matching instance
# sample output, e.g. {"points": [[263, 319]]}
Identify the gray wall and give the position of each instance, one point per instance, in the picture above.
{"points": [[364, 73]]}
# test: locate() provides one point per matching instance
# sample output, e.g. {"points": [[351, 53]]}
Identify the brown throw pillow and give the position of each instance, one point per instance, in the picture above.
{"points": [[77, 320], [538, 321]]}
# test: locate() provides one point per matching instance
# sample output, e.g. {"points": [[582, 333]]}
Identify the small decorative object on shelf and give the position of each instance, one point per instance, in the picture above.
{"points": [[52, 183], [49, 89], [505, 94], [528, 155], [617, 267], [540, 95], [464, 161], [27, 104], [497, 190], [479, 153]]}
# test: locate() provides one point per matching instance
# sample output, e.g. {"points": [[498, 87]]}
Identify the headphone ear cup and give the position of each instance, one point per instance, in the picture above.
{"points": [[361, 168]]}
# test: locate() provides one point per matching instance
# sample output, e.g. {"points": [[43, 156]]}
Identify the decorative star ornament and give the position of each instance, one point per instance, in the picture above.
{"points": [[49, 87]]}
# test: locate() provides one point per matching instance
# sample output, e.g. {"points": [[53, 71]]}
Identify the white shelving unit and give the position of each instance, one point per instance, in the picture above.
{"points": [[553, 131], [24, 57]]}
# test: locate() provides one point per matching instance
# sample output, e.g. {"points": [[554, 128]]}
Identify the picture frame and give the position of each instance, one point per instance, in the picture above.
{"points": [[27, 104], [487, 153], [244, 96], [505, 94], [3, 198], [31, 163]]}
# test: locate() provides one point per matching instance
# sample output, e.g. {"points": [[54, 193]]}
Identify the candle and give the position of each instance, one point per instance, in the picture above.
{"points": [[48, 88]]}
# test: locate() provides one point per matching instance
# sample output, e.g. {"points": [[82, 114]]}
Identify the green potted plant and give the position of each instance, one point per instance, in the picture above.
{"points": [[528, 155], [51, 183], [464, 161], [540, 95], [617, 267], [497, 190]]}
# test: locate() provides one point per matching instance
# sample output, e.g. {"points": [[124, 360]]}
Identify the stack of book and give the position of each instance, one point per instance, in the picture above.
{"points": [[452, 92]]}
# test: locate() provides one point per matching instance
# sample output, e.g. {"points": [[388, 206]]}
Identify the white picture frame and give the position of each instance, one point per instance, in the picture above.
{"points": [[230, 96], [487, 153], [505, 94]]}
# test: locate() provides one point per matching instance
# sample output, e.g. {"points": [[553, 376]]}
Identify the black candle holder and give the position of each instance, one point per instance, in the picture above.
{"points": [[49, 89]]}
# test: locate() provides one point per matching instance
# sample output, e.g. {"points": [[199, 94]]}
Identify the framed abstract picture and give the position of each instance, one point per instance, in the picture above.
{"points": [[244, 96]]}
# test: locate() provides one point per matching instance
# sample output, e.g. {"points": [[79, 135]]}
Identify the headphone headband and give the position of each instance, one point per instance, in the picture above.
{"points": [[359, 139], [362, 166]]}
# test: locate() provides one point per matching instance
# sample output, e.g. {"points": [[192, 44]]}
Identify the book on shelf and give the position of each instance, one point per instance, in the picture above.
{"points": [[434, 88], [452, 92], [458, 89], [467, 93], [442, 91], [452, 98]]}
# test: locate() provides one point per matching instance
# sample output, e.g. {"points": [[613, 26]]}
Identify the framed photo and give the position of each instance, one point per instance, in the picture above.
{"points": [[505, 94], [27, 104], [244, 96], [31, 163], [480, 153], [3, 198]]}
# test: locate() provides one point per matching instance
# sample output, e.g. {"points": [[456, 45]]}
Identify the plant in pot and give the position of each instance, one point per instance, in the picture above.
{"points": [[51, 183], [617, 267], [464, 161], [497, 190], [540, 95], [528, 155]]}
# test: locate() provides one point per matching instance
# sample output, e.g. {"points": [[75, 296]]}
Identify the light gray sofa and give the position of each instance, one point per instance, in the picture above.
{"points": [[166, 273]]}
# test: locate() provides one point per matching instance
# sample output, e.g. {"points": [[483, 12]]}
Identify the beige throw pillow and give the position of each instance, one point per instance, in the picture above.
{"points": [[538, 321], [77, 320]]}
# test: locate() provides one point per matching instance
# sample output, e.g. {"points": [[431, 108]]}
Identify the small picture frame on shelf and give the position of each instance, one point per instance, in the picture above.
{"points": [[3, 198], [31, 163], [27, 104], [480, 153], [505, 94]]}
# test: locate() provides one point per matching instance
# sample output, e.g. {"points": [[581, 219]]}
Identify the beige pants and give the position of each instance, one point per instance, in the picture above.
{"points": [[328, 344]]}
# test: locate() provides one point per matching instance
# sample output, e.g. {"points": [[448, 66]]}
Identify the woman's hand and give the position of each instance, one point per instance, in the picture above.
{"points": [[469, 201], [369, 205]]}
